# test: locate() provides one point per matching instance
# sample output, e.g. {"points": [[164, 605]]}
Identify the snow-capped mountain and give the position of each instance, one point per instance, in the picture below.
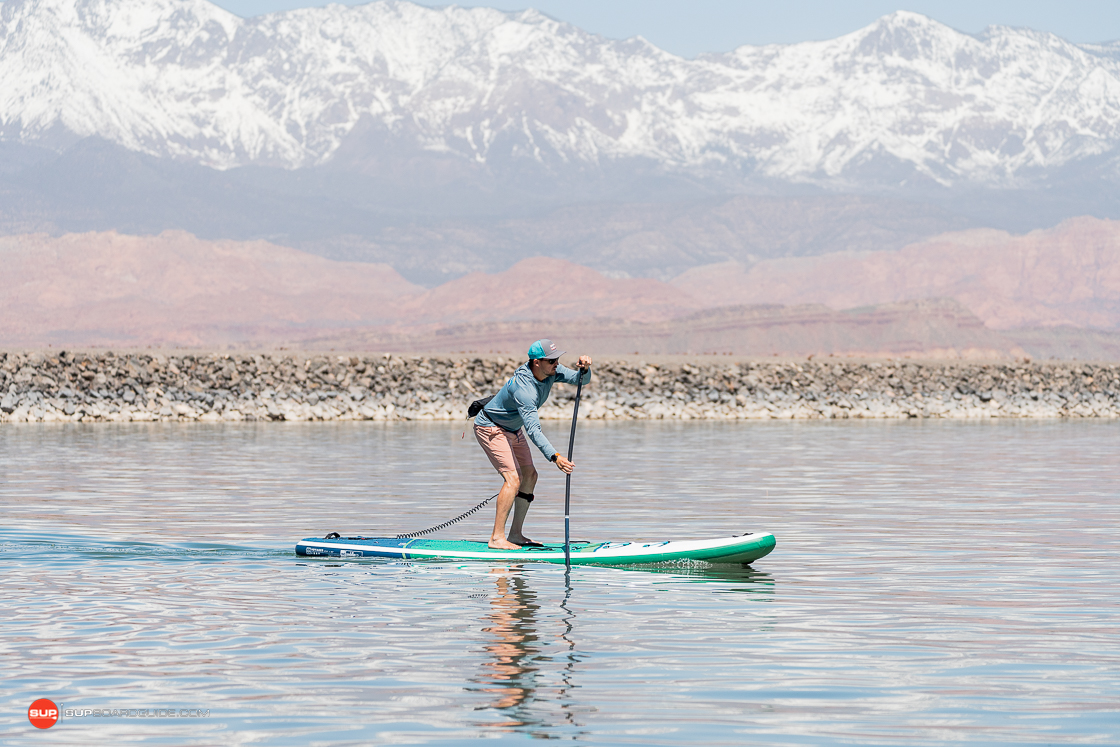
{"points": [[904, 99]]}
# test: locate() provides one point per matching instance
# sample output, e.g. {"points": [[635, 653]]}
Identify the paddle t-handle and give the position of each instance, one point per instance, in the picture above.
{"points": [[568, 476]]}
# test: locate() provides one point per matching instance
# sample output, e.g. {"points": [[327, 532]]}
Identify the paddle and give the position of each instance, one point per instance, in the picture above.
{"points": [[568, 477]]}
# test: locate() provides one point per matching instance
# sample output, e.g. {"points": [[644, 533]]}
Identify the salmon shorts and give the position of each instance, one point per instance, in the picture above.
{"points": [[505, 450]]}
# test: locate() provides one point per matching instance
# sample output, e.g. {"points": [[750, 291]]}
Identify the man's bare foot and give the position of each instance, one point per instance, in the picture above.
{"points": [[502, 544]]}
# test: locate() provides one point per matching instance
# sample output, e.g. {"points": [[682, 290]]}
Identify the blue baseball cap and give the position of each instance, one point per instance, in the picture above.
{"points": [[544, 349]]}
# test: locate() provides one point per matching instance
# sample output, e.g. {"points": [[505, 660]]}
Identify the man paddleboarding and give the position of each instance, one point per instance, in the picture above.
{"points": [[501, 428]]}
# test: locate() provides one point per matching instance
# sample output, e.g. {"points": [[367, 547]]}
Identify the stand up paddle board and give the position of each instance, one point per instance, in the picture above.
{"points": [[745, 548]]}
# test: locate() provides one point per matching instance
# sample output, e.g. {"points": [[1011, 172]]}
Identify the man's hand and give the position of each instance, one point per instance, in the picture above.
{"points": [[584, 362], [565, 466]]}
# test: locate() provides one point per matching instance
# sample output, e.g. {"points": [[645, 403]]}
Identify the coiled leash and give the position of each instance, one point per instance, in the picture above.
{"points": [[446, 524]]}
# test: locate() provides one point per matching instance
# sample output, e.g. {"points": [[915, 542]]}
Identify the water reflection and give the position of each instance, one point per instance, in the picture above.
{"points": [[515, 673], [510, 672], [744, 578], [914, 607], [531, 656]]}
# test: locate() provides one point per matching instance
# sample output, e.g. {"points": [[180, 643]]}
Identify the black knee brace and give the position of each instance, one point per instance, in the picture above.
{"points": [[527, 496]]}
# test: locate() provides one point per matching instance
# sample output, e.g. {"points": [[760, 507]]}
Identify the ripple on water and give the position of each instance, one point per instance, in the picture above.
{"points": [[934, 583]]}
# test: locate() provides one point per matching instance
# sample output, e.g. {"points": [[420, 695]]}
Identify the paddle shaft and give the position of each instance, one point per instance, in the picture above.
{"points": [[568, 476]]}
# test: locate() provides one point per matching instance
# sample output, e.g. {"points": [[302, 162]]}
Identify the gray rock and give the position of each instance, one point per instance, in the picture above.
{"points": [[390, 387]]}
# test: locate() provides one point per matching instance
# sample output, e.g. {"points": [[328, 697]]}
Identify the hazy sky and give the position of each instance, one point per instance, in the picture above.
{"points": [[688, 27]]}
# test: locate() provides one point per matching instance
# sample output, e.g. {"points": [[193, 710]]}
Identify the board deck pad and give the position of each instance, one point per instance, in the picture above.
{"points": [[744, 548]]}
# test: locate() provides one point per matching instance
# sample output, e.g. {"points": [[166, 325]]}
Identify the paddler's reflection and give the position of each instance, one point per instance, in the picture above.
{"points": [[512, 672], [531, 664]]}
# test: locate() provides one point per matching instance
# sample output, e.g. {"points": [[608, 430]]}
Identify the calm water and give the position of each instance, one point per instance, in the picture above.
{"points": [[933, 583]]}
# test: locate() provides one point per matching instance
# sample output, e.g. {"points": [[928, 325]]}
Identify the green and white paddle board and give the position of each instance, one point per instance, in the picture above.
{"points": [[745, 548]]}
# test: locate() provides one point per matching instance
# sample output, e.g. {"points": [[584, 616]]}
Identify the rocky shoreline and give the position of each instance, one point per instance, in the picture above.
{"points": [[49, 386]]}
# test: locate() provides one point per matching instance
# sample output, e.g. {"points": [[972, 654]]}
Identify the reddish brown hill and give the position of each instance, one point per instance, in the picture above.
{"points": [[1068, 275], [175, 289], [544, 288], [109, 289], [105, 288], [928, 329]]}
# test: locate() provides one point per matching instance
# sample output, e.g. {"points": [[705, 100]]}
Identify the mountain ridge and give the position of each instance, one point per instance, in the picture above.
{"points": [[972, 290], [904, 99], [1068, 275]]}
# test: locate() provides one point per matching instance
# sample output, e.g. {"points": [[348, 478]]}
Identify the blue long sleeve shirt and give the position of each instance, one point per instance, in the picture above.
{"points": [[516, 404]]}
